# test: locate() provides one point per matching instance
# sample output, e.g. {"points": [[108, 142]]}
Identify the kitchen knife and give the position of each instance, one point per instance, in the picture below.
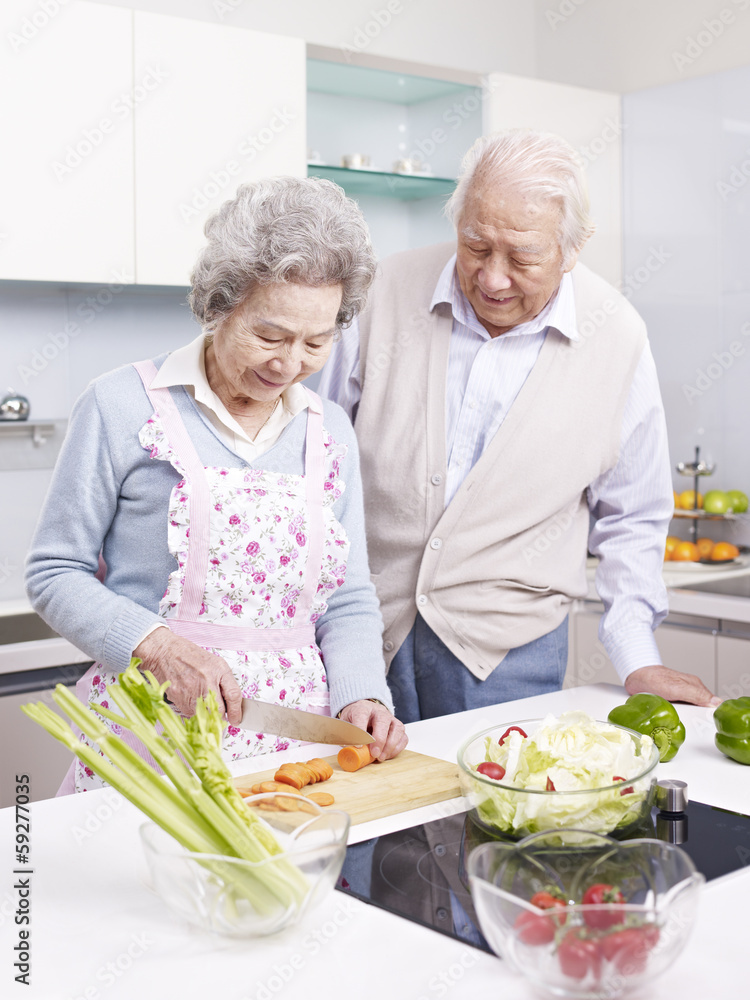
{"points": [[298, 725]]}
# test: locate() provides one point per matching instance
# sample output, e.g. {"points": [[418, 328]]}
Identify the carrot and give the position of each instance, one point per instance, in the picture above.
{"points": [[321, 798], [268, 786], [289, 778], [354, 757]]}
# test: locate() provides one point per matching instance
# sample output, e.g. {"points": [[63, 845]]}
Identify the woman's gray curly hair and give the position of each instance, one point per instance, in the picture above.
{"points": [[289, 229]]}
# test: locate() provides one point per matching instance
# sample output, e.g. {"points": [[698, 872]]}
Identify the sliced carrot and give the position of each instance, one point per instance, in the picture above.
{"points": [[267, 804], [245, 793], [321, 798], [288, 803], [287, 778], [268, 786], [354, 757]]}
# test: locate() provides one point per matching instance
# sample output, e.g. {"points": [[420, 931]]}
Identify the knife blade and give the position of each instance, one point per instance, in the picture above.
{"points": [[262, 717]]}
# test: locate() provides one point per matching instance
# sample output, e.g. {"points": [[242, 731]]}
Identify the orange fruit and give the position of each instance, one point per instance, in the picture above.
{"points": [[676, 496], [724, 550], [687, 500], [686, 552], [671, 544], [705, 545]]}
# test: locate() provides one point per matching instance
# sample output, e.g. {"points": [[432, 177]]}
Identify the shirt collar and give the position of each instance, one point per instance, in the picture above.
{"points": [[187, 366], [560, 311]]}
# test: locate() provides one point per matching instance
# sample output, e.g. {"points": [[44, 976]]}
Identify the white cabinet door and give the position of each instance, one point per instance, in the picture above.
{"points": [[66, 172], [220, 106], [733, 667], [589, 663], [591, 121], [689, 650]]}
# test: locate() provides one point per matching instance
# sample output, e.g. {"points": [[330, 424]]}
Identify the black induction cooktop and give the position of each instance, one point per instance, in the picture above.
{"points": [[420, 873]]}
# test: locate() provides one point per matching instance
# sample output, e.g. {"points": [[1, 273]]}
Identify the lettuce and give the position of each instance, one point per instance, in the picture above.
{"points": [[581, 757]]}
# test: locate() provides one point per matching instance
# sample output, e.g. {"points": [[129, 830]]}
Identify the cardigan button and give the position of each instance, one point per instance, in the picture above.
{"points": [[388, 645], [436, 543], [422, 600], [437, 479]]}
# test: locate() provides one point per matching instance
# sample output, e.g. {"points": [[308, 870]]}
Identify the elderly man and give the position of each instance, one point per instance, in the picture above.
{"points": [[503, 395]]}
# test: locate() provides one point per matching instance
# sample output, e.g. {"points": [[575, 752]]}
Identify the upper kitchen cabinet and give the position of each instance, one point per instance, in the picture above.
{"points": [[591, 121], [66, 120], [225, 106], [384, 111]]}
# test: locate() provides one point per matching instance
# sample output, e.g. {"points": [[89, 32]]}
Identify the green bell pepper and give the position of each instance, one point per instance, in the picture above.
{"points": [[655, 717], [732, 721]]}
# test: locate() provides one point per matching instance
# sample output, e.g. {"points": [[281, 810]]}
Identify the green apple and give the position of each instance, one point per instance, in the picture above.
{"points": [[717, 502], [738, 500]]}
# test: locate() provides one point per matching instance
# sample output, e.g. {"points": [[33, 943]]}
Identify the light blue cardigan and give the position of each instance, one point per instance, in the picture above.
{"points": [[107, 494]]}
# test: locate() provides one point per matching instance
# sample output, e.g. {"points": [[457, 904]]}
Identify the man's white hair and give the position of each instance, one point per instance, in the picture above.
{"points": [[540, 164]]}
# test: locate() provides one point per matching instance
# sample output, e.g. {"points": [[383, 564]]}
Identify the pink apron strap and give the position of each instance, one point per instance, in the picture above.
{"points": [[314, 494], [196, 565]]}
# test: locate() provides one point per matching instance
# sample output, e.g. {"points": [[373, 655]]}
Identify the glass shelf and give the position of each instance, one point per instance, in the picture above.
{"points": [[403, 187], [702, 515], [378, 84]]}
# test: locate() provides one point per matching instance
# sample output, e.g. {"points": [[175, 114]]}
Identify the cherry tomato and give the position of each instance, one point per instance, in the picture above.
{"points": [[628, 949], [624, 791], [491, 770], [579, 956], [508, 731], [549, 901], [599, 894], [534, 929]]}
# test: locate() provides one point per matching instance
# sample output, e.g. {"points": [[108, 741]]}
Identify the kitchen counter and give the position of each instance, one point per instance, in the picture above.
{"points": [[98, 933], [686, 596]]}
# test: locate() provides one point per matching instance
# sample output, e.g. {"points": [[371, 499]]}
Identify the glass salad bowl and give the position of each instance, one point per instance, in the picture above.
{"points": [[241, 898], [578, 949], [584, 774]]}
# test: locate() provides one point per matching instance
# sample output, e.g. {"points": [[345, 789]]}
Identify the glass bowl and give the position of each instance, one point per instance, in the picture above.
{"points": [[240, 898], [515, 813], [585, 951]]}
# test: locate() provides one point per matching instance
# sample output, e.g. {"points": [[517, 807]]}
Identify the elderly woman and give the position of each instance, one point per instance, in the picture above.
{"points": [[206, 513]]}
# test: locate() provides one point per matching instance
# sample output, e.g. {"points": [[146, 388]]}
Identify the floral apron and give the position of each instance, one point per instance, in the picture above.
{"points": [[258, 553]]}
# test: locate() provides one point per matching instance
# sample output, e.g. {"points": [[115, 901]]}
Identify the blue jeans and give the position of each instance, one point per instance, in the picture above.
{"points": [[427, 680]]}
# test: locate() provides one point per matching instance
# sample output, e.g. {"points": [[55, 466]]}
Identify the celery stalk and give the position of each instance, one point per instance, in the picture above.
{"points": [[197, 804]]}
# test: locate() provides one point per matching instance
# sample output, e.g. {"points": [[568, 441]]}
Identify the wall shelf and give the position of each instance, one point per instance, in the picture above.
{"points": [[326, 77], [403, 187], [40, 430]]}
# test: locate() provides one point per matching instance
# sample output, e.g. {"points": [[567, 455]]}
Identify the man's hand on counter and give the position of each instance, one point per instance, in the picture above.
{"points": [[193, 672], [670, 684], [389, 734]]}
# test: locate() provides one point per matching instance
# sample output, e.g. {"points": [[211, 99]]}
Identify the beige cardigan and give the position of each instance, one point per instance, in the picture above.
{"points": [[500, 565]]}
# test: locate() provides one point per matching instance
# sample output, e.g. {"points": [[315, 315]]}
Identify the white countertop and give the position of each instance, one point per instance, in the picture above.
{"points": [[90, 906]]}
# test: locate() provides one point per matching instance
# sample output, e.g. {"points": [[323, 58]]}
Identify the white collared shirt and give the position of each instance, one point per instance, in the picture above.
{"points": [[187, 367], [631, 504]]}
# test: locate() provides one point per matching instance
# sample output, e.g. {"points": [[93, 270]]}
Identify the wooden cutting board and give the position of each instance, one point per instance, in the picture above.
{"points": [[381, 789]]}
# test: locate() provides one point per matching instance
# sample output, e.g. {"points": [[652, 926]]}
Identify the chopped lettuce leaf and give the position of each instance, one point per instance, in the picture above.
{"points": [[577, 754]]}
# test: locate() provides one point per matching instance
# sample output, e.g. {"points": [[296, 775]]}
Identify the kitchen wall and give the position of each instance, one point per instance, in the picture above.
{"points": [[686, 176], [53, 341]]}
